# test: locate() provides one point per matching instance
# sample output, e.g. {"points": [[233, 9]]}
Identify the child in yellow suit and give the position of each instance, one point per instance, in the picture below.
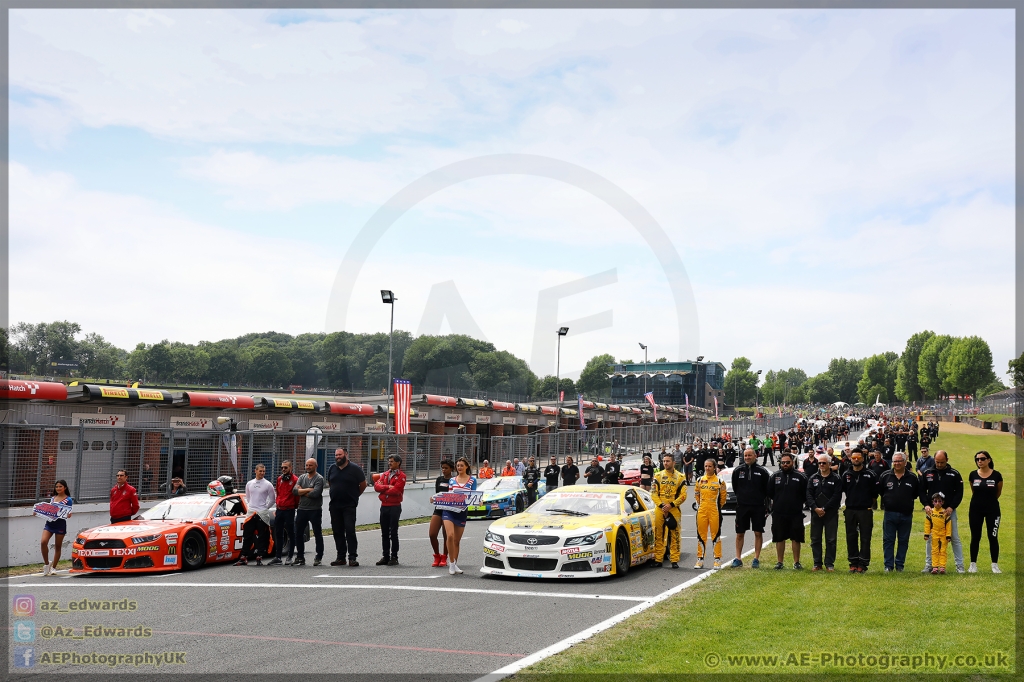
{"points": [[937, 530]]}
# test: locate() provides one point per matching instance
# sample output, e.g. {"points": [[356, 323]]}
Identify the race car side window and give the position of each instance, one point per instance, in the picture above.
{"points": [[632, 503], [645, 498], [232, 507]]}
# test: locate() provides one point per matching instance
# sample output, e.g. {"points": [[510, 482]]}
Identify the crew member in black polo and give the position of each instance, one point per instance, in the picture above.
{"points": [[824, 493], [787, 490], [860, 484], [750, 483], [899, 489]]}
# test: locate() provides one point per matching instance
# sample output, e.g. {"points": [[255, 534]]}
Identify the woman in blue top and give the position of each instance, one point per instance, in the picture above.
{"points": [[57, 528], [455, 521]]}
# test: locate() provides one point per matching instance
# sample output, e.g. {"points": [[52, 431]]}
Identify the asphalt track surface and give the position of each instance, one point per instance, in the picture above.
{"points": [[409, 620]]}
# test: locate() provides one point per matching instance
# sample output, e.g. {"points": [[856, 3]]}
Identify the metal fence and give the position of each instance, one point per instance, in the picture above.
{"points": [[1009, 402], [33, 458]]}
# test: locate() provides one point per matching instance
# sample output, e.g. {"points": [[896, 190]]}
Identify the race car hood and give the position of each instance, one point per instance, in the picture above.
{"points": [[556, 522], [131, 529]]}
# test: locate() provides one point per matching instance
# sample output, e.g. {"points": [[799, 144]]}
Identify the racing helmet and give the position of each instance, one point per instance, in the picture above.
{"points": [[216, 489], [228, 483]]}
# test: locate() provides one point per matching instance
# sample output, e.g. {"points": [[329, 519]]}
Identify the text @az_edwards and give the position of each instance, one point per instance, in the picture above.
{"points": [[834, 660]]}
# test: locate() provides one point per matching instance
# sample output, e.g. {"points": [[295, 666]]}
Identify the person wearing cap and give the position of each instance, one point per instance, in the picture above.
{"points": [[937, 528], [824, 492], [947, 480], [925, 461]]}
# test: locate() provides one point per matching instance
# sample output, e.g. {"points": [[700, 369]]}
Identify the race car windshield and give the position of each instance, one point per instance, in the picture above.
{"points": [[502, 483], [177, 509], [576, 504]]}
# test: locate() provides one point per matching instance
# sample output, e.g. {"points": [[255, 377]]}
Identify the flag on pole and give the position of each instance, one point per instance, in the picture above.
{"points": [[687, 406], [561, 396], [579, 405], [403, 404], [716, 407], [650, 398], [230, 442]]}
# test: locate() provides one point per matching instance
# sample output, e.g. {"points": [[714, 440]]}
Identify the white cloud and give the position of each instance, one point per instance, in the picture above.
{"points": [[134, 270]]}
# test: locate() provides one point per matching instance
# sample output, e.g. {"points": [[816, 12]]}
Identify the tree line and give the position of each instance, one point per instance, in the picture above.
{"points": [[931, 367]]}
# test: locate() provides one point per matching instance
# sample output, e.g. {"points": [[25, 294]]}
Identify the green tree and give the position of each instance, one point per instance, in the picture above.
{"points": [[375, 375], [101, 359], [740, 383], [190, 363], [546, 388], [821, 388], [443, 360], [879, 371], [929, 371], [137, 363], [845, 375], [334, 359], [994, 387], [1016, 371], [266, 364], [908, 387], [224, 366], [594, 381], [797, 395], [40, 344], [968, 366], [159, 362]]}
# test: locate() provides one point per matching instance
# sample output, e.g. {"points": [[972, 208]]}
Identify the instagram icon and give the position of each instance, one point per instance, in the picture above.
{"points": [[23, 605]]}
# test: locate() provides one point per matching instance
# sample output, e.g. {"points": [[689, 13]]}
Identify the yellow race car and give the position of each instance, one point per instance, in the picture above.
{"points": [[579, 531]]}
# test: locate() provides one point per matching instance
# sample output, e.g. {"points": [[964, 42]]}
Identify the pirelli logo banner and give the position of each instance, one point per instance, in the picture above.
{"points": [[143, 395]]}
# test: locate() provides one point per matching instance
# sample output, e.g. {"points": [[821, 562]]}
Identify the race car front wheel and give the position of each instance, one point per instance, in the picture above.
{"points": [[193, 551], [622, 553], [520, 504]]}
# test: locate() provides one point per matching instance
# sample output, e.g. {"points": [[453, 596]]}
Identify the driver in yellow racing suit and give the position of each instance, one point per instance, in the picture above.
{"points": [[669, 492], [710, 493]]}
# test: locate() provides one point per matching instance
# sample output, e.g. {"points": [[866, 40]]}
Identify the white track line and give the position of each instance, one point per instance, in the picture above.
{"points": [[380, 577], [321, 586], [558, 647]]}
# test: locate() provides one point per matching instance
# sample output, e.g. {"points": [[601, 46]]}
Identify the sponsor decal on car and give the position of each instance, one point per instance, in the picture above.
{"points": [[570, 550], [172, 550], [224, 524], [597, 560], [499, 548], [580, 555], [170, 560], [149, 548], [488, 550], [172, 538], [565, 575], [120, 551]]}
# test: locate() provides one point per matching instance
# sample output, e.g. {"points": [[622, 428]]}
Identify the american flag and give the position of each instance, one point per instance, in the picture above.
{"points": [[403, 404], [650, 398], [579, 403]]}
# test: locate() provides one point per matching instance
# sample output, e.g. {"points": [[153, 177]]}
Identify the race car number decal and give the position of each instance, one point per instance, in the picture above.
{"points": [[580, 555], [238, 531]]}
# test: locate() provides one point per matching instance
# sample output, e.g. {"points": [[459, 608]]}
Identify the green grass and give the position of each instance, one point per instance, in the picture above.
{"points": [[764, 612], [993, 417]]}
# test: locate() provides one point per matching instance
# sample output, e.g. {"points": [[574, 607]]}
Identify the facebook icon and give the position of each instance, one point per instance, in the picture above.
{"points": [[24, 657]]}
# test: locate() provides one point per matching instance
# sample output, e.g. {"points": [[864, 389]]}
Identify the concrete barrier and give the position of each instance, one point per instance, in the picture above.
{"points": [[24, 530]]}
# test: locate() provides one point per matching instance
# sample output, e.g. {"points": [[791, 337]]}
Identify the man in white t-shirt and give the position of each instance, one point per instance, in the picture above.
{"points": [[259, 496]]}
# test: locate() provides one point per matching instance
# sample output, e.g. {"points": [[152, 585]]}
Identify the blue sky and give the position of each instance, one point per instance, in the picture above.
{"points": [[812, 169]]}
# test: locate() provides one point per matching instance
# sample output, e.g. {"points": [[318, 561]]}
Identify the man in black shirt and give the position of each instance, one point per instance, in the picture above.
{"points": [[613, 469], [570, 472], [689, 457], [861, 487], [750, 484], [531, 480], [594, 473], [899, 489], [787, 491], [878, 465], [824, 493], [912, 445], [551, 472], [347, 482]]}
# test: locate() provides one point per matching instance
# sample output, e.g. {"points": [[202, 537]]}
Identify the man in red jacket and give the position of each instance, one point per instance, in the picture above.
{"points": [[124, 501], [284, 517], [391, 486]]}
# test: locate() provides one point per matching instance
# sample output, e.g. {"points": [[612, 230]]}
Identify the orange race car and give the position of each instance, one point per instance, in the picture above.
{"points": [[180, 533]]}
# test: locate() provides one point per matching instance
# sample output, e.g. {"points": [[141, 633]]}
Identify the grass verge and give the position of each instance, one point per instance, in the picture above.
{"points": [[763, 622]]}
